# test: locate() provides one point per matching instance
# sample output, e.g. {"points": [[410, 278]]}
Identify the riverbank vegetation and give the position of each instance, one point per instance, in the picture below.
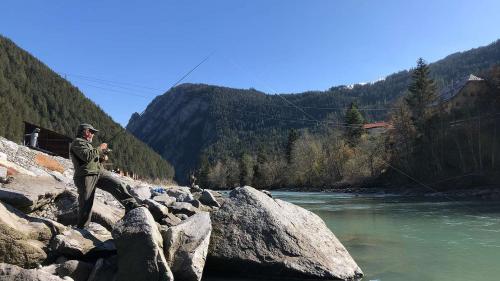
{"points": [[433, 138]]}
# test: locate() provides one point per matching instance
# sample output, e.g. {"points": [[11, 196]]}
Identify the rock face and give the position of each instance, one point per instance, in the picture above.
{"points": [[22, 239], [9, 272], [27, 194], [140, 248], [254, 234], [186, 247]]}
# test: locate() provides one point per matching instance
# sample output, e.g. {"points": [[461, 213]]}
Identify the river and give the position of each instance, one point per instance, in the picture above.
{"points": [[395, 238]]}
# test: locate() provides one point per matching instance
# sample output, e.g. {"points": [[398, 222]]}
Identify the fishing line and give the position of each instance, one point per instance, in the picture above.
{"points": [[186, 75], [190, 71]]}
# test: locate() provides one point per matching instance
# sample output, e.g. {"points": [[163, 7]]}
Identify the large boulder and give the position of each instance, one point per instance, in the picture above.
{"points": [[158, 210], [78, 243], [140, 248], [254, 234], [103, 214], [186, 246], [9, 272], [23, 238], [28, 193]]}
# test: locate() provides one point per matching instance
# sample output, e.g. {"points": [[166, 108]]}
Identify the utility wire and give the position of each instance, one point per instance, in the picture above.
{"points": [[86, 77]]}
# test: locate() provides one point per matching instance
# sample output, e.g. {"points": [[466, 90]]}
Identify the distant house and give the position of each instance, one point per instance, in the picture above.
{"points": [[48, 141], [377, 128], [462, 92]]}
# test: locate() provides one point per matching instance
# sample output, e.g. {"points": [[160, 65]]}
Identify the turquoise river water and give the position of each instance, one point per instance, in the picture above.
{"points": [[395, 238]]}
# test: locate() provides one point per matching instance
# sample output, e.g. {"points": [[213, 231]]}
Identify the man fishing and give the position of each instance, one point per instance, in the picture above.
{"points": [[89, 174]]}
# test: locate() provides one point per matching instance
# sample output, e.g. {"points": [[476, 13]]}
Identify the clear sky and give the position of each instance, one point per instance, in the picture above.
{"points": [[274, 46]]}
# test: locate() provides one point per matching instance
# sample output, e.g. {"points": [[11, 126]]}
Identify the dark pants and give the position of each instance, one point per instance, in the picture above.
{"points": [[86, 191]]}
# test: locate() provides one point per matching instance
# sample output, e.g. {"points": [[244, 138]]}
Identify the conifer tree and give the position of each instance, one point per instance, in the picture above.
{"points": [[293, 136], [422, 93], [354, 124]]}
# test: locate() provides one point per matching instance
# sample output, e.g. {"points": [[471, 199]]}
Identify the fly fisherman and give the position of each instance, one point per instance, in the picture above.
{"points": [[89, 174]]}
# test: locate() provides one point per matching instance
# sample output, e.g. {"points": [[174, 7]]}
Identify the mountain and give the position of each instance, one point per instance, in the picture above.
{"points": [[30, 91], [194, 122]]}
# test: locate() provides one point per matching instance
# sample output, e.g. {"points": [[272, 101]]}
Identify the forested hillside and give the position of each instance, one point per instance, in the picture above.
{"points": [[194, 126], [30, 91]]}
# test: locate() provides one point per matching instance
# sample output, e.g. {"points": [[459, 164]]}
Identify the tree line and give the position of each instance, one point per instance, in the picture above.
{"points": [[427, 143]]}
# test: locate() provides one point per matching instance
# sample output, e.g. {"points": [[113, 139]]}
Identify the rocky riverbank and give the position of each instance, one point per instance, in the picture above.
{"points": [[179, 234]]}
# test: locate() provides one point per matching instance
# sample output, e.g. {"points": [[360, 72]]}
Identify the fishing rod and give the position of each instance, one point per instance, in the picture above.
{"points": [[187, 74], [122, 130]]}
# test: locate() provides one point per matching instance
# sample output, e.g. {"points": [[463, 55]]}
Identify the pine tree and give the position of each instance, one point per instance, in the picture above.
{"points": [[354, 124], [293, 136], [422, 93]]}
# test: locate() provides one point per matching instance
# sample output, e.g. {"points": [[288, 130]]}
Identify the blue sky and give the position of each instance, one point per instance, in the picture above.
{"points": [[273, 46]]}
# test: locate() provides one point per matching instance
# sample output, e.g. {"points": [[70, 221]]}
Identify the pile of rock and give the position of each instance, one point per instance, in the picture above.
{"points": [[180, 233]]}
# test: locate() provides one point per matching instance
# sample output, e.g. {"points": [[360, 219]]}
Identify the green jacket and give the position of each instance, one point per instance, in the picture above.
{"points": [[85, 158]]}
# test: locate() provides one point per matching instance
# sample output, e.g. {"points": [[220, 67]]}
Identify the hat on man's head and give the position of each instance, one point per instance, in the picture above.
{"points": [[85, 126]]}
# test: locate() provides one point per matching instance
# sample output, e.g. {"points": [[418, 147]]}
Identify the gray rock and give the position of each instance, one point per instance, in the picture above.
{"points": [[23, 238], [208, 199], [268, 193], [140, 248], [60, 177], [141, 192], [67, 214], [9, 272], [182, 216], [257, 235], [195, 203], [78, 243], [180, 193], [104, 270], [158, 210], [183, 208], [165, 199], [28, 193], [171, 220], [77, 270], [186, 247]]}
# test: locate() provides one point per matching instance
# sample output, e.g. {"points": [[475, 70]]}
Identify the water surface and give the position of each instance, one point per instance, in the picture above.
{"points": [[405, 239]]}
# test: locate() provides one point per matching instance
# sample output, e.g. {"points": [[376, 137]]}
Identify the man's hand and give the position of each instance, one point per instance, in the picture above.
{"points": [[103, 146]]}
